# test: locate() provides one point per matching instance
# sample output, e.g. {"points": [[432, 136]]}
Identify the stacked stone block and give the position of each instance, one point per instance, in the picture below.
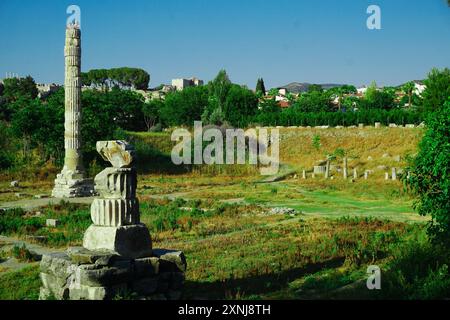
{"points": [[116, 259]]}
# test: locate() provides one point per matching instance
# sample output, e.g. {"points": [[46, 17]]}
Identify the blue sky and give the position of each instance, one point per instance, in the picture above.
{"points": [[282, 41]]}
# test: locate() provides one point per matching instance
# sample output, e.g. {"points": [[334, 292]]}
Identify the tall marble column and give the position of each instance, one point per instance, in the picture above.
{"points": [[72, 182]]}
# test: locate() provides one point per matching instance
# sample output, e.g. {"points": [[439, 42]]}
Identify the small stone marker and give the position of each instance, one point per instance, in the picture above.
{"points": [[327, 169], [377, 125], [366, 175], [386, 176], [394, 174], [361, 125], [15, 184], [52, 222], [355, 173], [345, 168], [304, 174]]}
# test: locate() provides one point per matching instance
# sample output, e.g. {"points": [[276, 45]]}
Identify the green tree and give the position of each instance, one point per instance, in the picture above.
{"points": [[315, 87], [219, 87], [184, 107], [151, 111], [239, 104], [378, 99], [121, 77], [408, 90], [269, 106], [437, 89], [314, 101], [430, 172], [15, 88], [260, 87]]}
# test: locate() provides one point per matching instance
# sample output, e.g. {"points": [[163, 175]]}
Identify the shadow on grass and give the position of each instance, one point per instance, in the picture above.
{"points": [[253, 286]]}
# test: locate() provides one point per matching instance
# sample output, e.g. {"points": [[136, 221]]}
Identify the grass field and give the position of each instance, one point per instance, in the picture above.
{"points": [[237, 247]]}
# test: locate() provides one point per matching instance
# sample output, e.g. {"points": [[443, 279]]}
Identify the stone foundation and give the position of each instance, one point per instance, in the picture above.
{"points": [[72, 185], [81, 274]]}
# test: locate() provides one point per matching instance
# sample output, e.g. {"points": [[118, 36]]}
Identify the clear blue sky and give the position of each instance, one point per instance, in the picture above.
{"points": [[282, 41]]}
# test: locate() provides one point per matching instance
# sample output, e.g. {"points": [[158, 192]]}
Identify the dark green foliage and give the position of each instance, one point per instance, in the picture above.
{"points": [[269, 106], [184, 107], [315, 88], [22, 254], [239, 104], [378, 99], [430, 174], [151, 112], [122, 77], [293, 117], [74, 220], [12, 221], [260, 87], [313, 101], [437, 90], [15, 88]]}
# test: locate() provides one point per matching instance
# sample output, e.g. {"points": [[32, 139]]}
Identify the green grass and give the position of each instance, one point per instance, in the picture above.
{"points": [[20, 285], [241, 251]]}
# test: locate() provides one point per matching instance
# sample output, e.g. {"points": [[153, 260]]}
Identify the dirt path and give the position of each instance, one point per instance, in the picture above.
{"points": [[30, 204]]}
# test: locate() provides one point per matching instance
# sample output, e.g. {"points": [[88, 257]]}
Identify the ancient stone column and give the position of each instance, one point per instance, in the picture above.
{"points": [[345, 169], [71, 182], [115, 213], [327, 169], [394, 174]]}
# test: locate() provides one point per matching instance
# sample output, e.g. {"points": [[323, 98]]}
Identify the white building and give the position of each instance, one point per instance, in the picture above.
{"points": [[419, 87], [182, 83]]}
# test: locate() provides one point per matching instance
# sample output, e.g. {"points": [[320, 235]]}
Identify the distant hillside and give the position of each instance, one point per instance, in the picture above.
{"points": [[297, 87]]}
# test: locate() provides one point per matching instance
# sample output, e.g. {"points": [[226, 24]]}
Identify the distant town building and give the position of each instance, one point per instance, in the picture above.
{"points": [[45, 89], [419, 87], [180, 84]]}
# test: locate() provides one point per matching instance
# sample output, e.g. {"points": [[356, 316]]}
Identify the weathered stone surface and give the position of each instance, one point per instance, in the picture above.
{"points": [[15, 184], [177, 281], [71, 182], [146, 286], [105, 276], [116, 183], [56, 263], [52, 222], [115, 212], [85, 256], [127, 241], [120, 153], [320, 169], [171, 260], [148, 266], [63, 278]]}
